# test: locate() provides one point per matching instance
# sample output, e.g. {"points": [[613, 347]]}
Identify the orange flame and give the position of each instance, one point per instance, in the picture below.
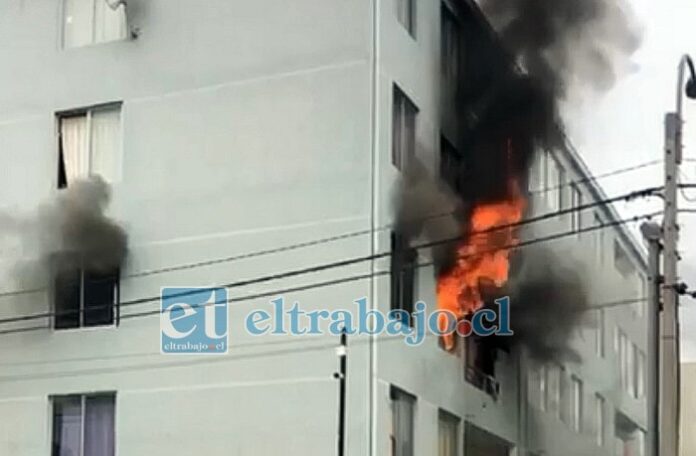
{"points": [[482, 258]]}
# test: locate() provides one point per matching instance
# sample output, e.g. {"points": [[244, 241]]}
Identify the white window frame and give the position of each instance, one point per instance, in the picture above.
{"points": [[88, 113], [94, 40], [600, 334]]}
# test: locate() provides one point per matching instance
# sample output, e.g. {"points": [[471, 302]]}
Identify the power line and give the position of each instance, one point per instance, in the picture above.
{"points": [[592, 178], [627, 197], [302, 272], [266, 343]]}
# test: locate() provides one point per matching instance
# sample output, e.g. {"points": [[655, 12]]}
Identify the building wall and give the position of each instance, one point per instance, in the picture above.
{"points": [[246, 126]]}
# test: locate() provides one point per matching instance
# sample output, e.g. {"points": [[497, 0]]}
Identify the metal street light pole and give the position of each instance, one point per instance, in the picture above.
{"points": [[669, 385]]}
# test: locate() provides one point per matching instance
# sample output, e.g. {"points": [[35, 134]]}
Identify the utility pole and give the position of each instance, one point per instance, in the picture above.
{"points": [[652, 233], [669, 384]]}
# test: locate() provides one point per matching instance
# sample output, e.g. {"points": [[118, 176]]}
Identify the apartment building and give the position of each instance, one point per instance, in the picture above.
{"points": [[230, 127]]}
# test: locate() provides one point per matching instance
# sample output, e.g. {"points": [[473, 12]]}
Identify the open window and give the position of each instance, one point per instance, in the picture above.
{"points": [[90, 144]]}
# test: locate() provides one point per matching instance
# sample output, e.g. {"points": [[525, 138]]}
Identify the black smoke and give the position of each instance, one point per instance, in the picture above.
{"points": [[69, 231], [521, 60]]}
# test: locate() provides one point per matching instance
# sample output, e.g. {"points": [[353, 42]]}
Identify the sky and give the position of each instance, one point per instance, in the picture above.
{"points": [[625, 127]]}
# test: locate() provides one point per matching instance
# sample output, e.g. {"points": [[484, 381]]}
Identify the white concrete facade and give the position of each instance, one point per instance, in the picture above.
{"points": [[251, 126]]}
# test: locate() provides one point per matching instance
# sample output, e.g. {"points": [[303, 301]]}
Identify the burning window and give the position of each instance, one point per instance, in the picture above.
{"points": [[83, 424], [406, 14], [448, 434], [90, 143], [403, 275], [403, 129], [88, 22], [403, 405]]}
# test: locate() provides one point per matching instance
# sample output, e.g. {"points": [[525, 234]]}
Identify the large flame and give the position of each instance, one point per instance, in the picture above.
{"points": [[482, 257]]}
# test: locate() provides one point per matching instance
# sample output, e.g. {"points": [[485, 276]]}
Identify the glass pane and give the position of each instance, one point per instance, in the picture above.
{"points": [[66, 298], [402, 423], [77, 22], [105, 154], [99, 425], [99, 298], [67, 423]]}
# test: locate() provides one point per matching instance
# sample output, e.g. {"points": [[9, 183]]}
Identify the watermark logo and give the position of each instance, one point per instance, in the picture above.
{"points": [[194, 320]]}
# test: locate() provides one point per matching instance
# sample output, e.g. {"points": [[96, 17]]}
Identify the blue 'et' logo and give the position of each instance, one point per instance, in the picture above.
{"points": [[193, 320]]}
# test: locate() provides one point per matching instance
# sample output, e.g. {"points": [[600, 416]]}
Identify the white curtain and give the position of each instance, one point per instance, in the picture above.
{"points": [[99, 426], [109, 24], [105, 158], [75, 146], [67, 424]]}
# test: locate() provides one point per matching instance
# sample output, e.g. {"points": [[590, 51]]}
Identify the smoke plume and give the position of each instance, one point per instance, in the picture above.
{"points": [[69, 231]]}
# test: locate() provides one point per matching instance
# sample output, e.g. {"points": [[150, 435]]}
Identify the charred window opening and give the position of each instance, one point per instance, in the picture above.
{"points": [[85, 298], [480, 358], [403, 276], [450, 51], [452, 165]]}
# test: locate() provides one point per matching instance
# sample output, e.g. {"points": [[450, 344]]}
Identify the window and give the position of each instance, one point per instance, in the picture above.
{"points": [[599, 239], [555, 184], [622, 262], [403, 274], [85, 298], [403, 129], [599, 333], [639, 309], [450, 51], [639, 373], [406, 13], [451, 164], [83, 425], [537, 385], [448, 434], [599, 419], [576, 415], [88, 22], [553, 387], [575, 202], [90, 144], [402, 422]]}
